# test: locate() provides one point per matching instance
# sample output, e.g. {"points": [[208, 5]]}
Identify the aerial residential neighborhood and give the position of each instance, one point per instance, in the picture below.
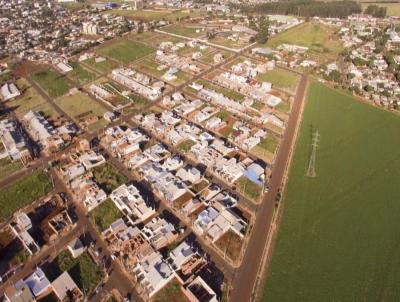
{"points": [[199, 151]]}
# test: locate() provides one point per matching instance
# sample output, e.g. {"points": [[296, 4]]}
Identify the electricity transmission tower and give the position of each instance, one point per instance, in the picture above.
{"points": [[314, 145]]}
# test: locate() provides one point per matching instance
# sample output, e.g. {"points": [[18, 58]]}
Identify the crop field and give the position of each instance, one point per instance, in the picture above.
{"points": [[23, 193], [52, 82], [392, 8], [125, 51], [318, 37], [280, 78], [339, 236]]}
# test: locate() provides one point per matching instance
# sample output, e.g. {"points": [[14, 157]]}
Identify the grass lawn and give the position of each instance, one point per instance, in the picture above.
{"points": [[108, 177], [8, 167], [83, 270], [181, 30], [125, 51], [249, 188], [283, 107], [23, 193], [52, 82], [318, 37], [186, 145], [230, 244], [80, 104], [30, 100], [339, 237], [105, 214], [225, 91], [104, 67], [81, 74], [280, 78], [143, 15], [392, 9], [171, 293], [270, 143], [149, 66]]}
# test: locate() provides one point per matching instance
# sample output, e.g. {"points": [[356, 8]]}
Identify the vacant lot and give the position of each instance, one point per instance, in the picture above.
{"points": [[280, 78], [52, 82], [181, 30], [318, 37], [8, 167], [171, 293], [82, 270], [250, 189], [339, 236], [125, 51], [103, 67], [105, 214], [392, 9], [81, 74], [80, 104], [230, 244], [108, 177], [23, 193], [30, 100]]}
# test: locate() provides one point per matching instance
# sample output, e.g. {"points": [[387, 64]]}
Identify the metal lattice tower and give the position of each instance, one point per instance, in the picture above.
{"points": [[314, 145]]}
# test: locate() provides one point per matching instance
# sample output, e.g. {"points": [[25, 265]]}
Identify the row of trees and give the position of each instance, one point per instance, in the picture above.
{"points": [[334, 9]]}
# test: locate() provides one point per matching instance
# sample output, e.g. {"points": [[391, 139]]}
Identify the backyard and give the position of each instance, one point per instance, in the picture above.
{"points": [[341, 227], [125, 51], [23, 193]]}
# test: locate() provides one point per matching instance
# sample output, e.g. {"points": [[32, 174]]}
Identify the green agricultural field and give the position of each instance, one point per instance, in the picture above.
{"points": [[125, 51], [108, 177], [104, 67], [392, 8], [52, 82], [81, 74], [23, 193], [339, 235], [83, 270], [280, 78], [181, 30], [105, 214], [30, 100], [318, 37]]}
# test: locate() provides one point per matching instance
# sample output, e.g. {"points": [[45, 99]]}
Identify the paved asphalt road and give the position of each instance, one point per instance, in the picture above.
{"points": [[246, 275]]}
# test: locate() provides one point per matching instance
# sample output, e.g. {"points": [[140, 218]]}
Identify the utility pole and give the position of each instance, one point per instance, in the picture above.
{"points": [[314, 145]]}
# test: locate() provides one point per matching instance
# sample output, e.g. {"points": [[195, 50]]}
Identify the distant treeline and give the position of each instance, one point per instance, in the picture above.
{"points": [[376, 11], [303, 8]]}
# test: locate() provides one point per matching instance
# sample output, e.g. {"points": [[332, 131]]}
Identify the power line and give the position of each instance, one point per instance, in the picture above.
{"points": [[314, 145]]}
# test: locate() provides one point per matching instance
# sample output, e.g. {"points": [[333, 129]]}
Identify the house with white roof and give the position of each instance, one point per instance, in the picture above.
{"points": [[9, 91], [128, 200], [38, 282], [153, 273], [159, 232]]}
